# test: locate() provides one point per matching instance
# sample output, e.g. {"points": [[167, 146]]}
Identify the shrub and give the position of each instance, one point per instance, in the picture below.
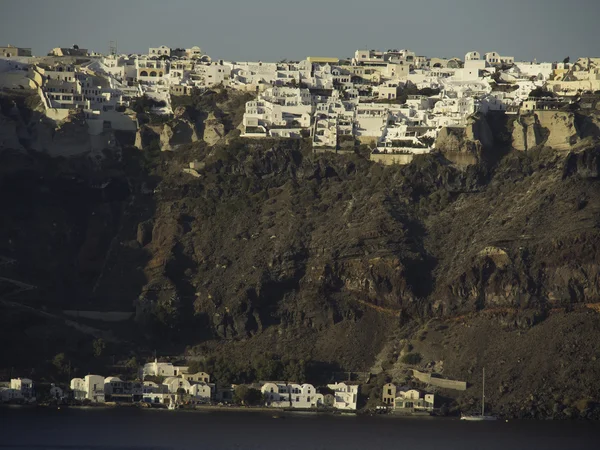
{"points": [[412, 358]]}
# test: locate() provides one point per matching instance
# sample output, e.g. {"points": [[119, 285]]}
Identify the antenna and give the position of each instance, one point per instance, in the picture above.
{"points": [[112, 48]]}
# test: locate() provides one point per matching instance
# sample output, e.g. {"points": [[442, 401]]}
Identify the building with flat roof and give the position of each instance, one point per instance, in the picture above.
{"points": [[11, 51]]}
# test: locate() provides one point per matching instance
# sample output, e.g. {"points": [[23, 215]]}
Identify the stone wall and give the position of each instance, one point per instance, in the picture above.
{"points": [[392, 158], [440, 382]]}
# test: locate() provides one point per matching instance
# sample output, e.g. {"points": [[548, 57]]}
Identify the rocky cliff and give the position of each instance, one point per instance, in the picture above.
{"points": [[330, 259], [559, 130]]}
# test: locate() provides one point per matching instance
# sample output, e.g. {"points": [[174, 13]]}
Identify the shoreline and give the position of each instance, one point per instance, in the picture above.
{"points": [[275, 412]]}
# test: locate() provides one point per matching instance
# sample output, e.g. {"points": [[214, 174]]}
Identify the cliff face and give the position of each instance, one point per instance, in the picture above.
{"points": [[328, 258], [466, 146], [559, 130]]}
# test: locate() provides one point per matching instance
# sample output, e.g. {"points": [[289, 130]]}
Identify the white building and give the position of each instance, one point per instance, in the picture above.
{"points": [[174, 384], [474, 65], [159, 51], [540, 71], [291, 395], [162, 369], [412, 400], [202, 392], [277, 108], [199, 377], [494, 59], [346, 395], [91, 387], [22, 385]]}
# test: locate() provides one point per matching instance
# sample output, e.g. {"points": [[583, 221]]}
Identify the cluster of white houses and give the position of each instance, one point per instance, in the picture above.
{"points": [[196, 388], [177, 383], [330, 100]]}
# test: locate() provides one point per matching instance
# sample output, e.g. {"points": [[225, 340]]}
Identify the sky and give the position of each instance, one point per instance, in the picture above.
{"points": [[268, 30]]}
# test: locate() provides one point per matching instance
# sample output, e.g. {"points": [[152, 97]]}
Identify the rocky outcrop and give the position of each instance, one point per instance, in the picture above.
{"points": [[214, 130], [563, 133], [555, 129], [177, 132], [527, 133], [145, 136], [70, 137], [466, 146], [583, 164]]}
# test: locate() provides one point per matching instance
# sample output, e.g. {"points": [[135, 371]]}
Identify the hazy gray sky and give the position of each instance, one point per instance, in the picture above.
{"points": [[271, 30]]}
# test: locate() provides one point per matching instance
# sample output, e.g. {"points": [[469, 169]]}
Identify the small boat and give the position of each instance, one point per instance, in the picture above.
{"points": [[479, 417]]}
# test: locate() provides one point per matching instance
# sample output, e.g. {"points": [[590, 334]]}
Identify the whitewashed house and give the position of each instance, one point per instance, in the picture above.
{"points": [[199, 377], [494, 59], [201, 392], [276, 394], [78, 389], [24, 386], [345, 395], [411, 400], [162, 369], [90, 387], [279, 109], [174, 384], [163, 50], [291, 395], [473, 67]]}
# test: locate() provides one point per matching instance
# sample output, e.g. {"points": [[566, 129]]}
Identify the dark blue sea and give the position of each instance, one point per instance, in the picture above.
{"points": [[125, 428]]}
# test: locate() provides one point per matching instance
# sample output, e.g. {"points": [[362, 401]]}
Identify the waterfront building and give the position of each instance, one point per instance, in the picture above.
{"points": [[345, 395]]}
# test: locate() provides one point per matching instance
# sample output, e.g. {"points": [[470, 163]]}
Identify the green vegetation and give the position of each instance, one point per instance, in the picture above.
{"points": [[98, 345], [411, 358], [244, 395], [60, 363]]}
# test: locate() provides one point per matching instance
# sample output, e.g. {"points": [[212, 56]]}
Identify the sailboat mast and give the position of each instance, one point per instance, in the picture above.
{"points": [[483, 395]]}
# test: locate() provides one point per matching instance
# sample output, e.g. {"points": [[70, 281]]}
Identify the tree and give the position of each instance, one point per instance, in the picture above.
{"points": [[267, 368], [248, 396], [412, 358], [254, 397], [294, 370], [240, 393], [99, 346], [60, 363], [132, 363], [195, 367]]}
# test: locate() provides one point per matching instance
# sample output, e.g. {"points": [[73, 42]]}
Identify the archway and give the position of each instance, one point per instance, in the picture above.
{"points": [[143, 73], [153, 73]]}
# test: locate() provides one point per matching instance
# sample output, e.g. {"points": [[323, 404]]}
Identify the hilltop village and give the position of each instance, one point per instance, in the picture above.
{"points": [[394, 101]]}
